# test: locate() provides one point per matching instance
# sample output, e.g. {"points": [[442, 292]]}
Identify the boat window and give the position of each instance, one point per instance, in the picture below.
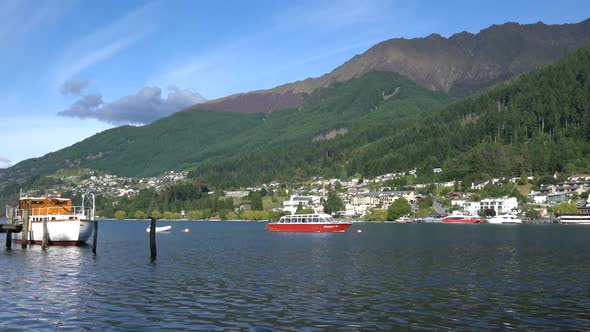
{"points": [[315, 219], [304, 220]]}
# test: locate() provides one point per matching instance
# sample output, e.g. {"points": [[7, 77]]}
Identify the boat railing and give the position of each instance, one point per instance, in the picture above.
{"points": [[60, 212]]}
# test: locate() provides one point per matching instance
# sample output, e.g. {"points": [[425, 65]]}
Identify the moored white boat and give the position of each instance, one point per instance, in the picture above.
{"points": [[505, 219], [161, 229], [575, 219], [66, 224], [403, 220]]}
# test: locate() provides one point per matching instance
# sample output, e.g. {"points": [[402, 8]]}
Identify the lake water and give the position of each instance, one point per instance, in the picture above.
{"points": [[238, 276]]}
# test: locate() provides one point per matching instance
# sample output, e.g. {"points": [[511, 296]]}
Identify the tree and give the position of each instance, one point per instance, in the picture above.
{"points": [[256, 201], [156, 214], [333, 203], [376, 215], [398, 208], [523, 178], [120, 215], [564, 208], [140, 214]]}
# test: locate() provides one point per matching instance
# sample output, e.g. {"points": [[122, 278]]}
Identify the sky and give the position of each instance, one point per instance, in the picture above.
{"points": [[73, 68]]}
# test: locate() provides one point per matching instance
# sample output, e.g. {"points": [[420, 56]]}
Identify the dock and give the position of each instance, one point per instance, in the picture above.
{"points": [[14, 228], [9, 229]]}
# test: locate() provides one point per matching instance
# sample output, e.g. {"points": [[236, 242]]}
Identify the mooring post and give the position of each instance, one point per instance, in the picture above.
{"points": [[25, 232], [45, 234], [153, 250], [9, 215], [94, 237], [8, 240]]}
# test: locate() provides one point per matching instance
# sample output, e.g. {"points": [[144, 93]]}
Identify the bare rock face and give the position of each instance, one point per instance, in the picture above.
{"points": [[462, 62]]}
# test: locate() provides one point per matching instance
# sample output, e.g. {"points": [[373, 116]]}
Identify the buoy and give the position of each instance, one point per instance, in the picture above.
{"points": [[359, 231], [186, 230]]}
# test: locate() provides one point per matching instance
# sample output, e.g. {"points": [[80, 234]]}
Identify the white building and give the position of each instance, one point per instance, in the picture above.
{"points": [[307, 202], [500, 205]]}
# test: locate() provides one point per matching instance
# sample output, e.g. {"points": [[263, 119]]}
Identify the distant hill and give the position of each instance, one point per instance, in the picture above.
{"points": [[193, 137], [458, 65]]}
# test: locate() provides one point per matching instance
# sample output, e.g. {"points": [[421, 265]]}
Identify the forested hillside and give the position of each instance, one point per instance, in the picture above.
{"points": [[540, 123], [212, 139]]}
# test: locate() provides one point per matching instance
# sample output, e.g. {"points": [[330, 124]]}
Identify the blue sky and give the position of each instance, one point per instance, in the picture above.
{"points": [[74, 68]]}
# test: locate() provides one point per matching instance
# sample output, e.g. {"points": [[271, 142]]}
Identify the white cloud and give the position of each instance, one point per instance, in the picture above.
{"points": [[5, 163], [106, 42], [141, 108]]}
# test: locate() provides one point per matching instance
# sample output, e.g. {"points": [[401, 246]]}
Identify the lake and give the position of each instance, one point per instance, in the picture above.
{"points": [[237, 276]]}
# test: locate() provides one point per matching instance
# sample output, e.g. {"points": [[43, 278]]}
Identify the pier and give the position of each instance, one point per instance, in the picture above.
{"points": [[9, 229]]}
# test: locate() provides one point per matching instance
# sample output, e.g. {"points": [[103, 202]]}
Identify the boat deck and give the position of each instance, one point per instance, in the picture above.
{"points": [[10, 228]]}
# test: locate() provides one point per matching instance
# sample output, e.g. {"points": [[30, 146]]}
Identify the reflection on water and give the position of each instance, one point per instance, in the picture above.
{"points": [[237, 276]]}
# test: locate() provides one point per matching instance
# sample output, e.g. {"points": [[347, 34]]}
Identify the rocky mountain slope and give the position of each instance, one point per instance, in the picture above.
{"points": [[457, 65]]}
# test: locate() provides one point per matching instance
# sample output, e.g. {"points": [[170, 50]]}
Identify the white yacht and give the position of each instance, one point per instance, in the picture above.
{"points": [[505, 219]]}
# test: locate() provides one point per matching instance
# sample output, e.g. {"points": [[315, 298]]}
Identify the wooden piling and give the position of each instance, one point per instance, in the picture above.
{"points": [[25, 232], [94, 237], [45, 234], [8, 240], [153, 250]]}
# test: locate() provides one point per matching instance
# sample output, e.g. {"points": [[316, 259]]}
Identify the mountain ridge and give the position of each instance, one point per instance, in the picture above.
{"points": [[459, 65]]}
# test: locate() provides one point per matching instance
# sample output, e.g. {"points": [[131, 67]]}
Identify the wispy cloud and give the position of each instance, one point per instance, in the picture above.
{"points": [[145, 106], [335, 14], [20, 19], [106, 42]]}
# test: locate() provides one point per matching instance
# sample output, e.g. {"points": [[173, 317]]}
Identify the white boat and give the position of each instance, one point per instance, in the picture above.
{"points": [[66, 224], [505, 219], [160, 229], [575, 219], [403, 220]]}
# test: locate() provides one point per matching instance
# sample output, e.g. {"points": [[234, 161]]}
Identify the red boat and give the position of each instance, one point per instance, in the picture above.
{"points": [[463, 219], [315, 223]]}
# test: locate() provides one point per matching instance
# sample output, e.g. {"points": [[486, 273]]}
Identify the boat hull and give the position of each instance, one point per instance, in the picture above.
{"points": [[462, 221], [160, 229], [504, 222], [309, 227], [64, 233]]}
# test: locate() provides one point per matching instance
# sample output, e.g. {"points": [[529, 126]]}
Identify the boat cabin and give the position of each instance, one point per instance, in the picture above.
{"points": [[306, 218]]}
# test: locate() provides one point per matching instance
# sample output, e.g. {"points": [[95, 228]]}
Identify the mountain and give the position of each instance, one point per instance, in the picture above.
{"points": [[458, 65], [372, 124], [538, 123]]}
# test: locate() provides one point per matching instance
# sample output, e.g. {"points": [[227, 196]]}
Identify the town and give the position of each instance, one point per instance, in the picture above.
{"points": [[537, 198]]}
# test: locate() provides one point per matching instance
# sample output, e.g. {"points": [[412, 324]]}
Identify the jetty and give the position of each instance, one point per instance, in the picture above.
{"points": [[9, 229]]}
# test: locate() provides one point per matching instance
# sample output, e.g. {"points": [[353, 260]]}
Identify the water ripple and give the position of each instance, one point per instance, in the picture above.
{"points": [[236, 276]]}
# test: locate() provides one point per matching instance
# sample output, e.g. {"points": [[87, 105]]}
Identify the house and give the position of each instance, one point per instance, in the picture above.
{"points": [[584, 207], [500, 205], [537, 197], [306, 202], [556, 198]]}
